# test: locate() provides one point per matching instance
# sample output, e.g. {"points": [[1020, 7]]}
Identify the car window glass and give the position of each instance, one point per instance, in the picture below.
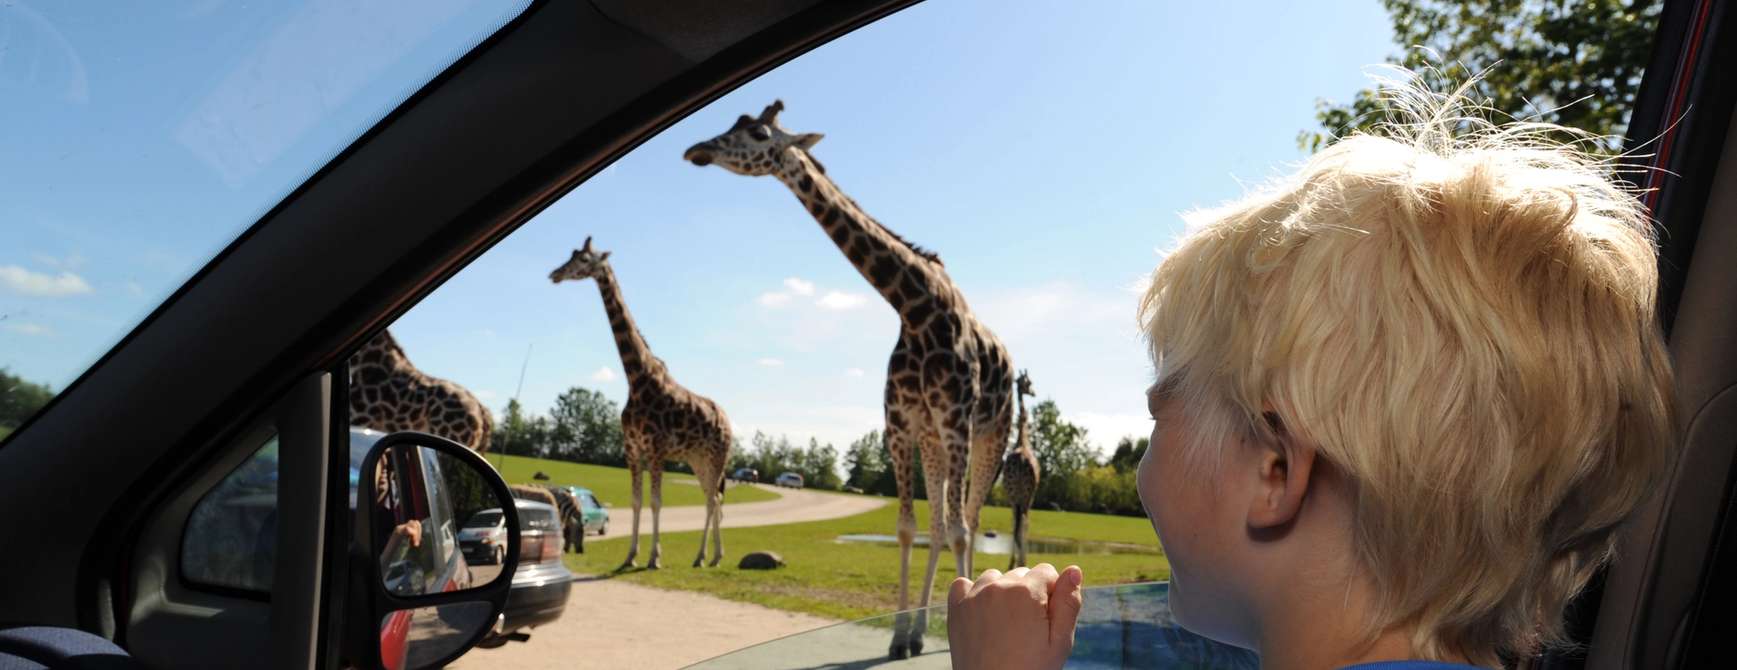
{"points": [[230, 540], [537, 519], [231, 536], [158, 131], [1036, 162]]}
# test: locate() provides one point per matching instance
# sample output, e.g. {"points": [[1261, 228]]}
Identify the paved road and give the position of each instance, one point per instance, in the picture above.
{"points": [[612, 624], [795, 506]]}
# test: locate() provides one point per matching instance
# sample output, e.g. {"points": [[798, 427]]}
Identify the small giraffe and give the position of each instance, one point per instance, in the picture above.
{"points": [[1019, 475], [388, 394], [662, 420], [949, 380]]}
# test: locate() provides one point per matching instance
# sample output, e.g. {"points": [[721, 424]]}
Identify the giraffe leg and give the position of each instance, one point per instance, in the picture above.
{"points": [[937, 480], [1016, 556], [900, 448], [633, 547], [721, 465], [987, 449], [656, 560], [703, 473], [956, 443]]}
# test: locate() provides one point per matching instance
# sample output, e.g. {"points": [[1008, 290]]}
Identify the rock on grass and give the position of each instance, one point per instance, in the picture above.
{"points": [[761, 560]]}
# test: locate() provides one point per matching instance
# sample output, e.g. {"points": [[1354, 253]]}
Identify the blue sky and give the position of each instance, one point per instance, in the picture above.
{"points": [[1044, 152]]}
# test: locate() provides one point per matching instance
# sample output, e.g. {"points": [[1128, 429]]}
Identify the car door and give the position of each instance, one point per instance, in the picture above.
{"points": [[1666, 602]]}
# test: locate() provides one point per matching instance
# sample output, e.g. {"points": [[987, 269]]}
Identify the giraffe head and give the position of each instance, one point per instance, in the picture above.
{"points": [[584, 264], [1023, 382], [755, 146]]}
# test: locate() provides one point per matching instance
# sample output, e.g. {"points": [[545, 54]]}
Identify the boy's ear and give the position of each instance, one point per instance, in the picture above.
{"points": [[1284, 477]]}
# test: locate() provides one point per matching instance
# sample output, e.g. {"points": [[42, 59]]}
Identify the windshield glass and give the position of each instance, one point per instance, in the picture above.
{"points": [[483, 520], [146, 136], [1126, 626]]}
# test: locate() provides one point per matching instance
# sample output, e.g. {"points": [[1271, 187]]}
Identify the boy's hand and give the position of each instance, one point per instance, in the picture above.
{"points": [[1023, 619]]}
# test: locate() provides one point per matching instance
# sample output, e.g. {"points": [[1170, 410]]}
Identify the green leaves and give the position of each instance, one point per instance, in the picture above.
{"points": [[1577, 63], [19, 400]]}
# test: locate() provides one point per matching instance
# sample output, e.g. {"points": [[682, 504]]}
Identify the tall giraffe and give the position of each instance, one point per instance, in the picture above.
{"points": [[1019, 475], [948, 391], [388, 394], [662, 420]]}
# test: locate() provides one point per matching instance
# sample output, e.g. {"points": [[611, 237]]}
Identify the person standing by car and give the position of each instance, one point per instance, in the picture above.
{"points": [[1416, 388]]}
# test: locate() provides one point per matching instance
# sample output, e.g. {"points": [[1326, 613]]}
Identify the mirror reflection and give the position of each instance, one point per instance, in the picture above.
{"points": [[424, 504], [417, 638]]}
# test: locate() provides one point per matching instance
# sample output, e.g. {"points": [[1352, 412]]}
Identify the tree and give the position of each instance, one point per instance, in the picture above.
{"points": [[865, 462], [1129, 451], [1541, 57], [512, 432], [586, 427], [1062, 451], [19, 400]]}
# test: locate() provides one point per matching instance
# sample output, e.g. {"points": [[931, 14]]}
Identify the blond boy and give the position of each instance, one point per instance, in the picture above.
{"points": [[1404, 399]]}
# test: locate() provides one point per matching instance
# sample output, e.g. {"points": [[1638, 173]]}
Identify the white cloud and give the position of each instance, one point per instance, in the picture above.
{"points": [[20, 280], [487, 395], [771, 362], [72, 261], [853, 372], [1103, 429], [134, 288], [839, 300], [603, 374], [774, 299], [799, 286], [28, 328]]}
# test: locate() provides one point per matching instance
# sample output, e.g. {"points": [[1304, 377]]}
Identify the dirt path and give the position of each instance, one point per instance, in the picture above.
{"points": [[613, 624], [795, 506]]}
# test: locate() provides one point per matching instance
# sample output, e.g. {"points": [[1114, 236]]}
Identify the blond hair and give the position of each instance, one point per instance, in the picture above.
{"points": [[1460, 316]]}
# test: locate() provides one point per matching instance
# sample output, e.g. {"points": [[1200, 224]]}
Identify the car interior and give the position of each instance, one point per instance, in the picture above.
{"points": [[253, 347]]}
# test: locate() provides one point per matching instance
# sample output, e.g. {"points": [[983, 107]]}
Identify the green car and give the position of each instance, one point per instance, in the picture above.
{"points": [[596, 518]]}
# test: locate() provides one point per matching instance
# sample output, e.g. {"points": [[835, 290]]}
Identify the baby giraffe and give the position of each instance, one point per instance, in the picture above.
{"points": [[1019, 476], [662, 420]]}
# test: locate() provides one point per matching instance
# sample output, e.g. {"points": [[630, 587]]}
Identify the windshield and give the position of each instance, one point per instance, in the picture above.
{"points": [[1126, 626], [484, 520], [158, 131]]}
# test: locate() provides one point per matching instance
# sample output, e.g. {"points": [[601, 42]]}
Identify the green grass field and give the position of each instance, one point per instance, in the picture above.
{"points": [[613, 486], [852, 580]]}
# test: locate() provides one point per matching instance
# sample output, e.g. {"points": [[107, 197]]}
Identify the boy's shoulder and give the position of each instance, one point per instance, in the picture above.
{"points": [[1410, 665]]}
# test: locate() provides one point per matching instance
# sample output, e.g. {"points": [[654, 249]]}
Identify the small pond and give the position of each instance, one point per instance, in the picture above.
{"points": [[1002, 543]]}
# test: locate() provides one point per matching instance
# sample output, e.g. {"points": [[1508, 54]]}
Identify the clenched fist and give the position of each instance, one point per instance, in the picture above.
{"points": [[1022, 619]]}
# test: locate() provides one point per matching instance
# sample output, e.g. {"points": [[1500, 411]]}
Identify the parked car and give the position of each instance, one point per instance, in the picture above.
{"points": [[790, 480], [484, 537], [591, 510], [746, 475], [541, 582]]}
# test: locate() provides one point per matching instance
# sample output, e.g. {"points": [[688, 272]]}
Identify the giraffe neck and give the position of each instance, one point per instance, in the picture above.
{"points": [[1024, 441], [636, 358], [897, 270]]}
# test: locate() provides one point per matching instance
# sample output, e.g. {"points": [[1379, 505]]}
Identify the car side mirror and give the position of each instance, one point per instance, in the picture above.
{"points": [[426, 605]]}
